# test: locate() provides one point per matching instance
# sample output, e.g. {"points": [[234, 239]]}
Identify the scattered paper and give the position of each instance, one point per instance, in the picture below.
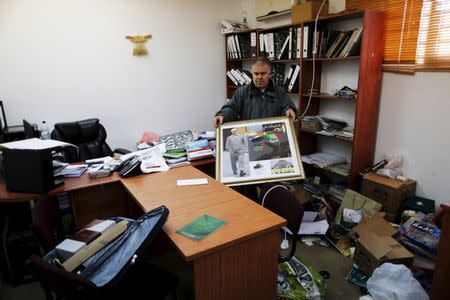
{"points": [[200, 181], [319, 227]]}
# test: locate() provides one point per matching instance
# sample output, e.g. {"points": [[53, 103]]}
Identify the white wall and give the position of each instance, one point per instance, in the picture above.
{"points": [[65, 60], [414, 122]]}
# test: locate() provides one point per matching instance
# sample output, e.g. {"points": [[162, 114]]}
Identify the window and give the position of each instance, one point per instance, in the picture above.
{"points": [[417, 33]]}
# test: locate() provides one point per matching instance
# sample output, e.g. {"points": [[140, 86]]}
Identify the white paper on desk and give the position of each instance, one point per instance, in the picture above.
{"points": [[156, 163], [35, 144], [181, 182], [319, 227]]}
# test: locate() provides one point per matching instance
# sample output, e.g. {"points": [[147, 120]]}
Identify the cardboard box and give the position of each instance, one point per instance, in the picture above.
{"points": [[372, 250], [307, 11], [376, 246], [390, 193]]}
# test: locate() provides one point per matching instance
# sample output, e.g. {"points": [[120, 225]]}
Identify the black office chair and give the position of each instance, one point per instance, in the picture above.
{"points": [[142, 279], [278, 199], [88, 135]]}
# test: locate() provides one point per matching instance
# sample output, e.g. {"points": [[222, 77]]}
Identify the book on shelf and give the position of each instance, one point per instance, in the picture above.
{"points": [[261, 44], [298, 45], [238, 48], [232, 78], [253, 44], [287, 80], [306, 41], [293, 84], [271, 45], [281, 39], [278, 71], [355, 44]]}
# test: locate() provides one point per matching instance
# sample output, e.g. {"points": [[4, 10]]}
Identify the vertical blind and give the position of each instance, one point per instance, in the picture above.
{"points": [[417, 33]]}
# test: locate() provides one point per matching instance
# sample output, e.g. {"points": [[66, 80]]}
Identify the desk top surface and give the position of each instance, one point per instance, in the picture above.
{"points": [[244, 217]]}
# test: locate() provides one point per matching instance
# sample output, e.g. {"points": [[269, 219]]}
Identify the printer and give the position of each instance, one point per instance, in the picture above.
{"points": [[28, 164]]}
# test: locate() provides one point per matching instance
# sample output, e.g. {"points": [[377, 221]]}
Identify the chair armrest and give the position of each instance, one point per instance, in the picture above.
{"points": [[121, 151]]}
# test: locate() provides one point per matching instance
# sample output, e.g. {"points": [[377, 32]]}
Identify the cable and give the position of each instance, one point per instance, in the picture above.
{"points": [[314, 53]]}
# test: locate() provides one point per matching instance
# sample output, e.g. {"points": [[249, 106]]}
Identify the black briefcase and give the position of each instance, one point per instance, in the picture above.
{"points": [[105, 268]]}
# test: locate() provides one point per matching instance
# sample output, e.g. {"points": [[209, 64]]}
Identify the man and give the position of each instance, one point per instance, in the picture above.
{"points": [[235, 145], [260, 99]]}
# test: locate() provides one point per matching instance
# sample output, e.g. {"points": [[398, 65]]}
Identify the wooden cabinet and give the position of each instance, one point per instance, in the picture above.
{"points": [[360, 70]]}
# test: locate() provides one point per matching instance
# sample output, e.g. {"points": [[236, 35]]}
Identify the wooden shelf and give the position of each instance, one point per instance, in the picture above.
{"points": [[328, 96], [283, 61], [241, 59], [332, 58]]}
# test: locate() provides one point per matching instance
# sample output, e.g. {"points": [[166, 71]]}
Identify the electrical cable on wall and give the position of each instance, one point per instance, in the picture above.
{"points": [[314, 53]]}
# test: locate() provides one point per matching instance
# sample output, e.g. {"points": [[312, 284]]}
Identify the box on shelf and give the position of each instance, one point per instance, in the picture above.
{"points": [[390, 193], [307, 11], [310, 125]]}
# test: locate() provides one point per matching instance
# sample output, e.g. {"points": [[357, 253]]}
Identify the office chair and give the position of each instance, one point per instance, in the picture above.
{"points": [[88, 135], [278, 199], [140, 279], [46, 223], [144, 279]]}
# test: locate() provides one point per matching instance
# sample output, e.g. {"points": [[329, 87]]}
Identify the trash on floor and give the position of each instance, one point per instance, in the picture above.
{"points": [[299, 281]]}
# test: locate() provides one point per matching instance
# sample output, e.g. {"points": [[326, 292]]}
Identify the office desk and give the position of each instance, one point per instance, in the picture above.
{"points": [[238, 261]]}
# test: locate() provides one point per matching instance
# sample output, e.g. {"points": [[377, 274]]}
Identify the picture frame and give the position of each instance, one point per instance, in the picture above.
{"points": [[256, 151]]}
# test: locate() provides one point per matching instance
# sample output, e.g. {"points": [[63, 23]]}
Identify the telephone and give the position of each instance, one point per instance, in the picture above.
{"points": [[130, 167]]}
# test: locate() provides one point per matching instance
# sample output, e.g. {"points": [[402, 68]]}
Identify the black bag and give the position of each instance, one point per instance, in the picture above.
{"points": [[110, 264]]}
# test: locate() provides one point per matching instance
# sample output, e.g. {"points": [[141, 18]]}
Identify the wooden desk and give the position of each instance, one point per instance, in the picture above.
{"points": [[238, 261]]}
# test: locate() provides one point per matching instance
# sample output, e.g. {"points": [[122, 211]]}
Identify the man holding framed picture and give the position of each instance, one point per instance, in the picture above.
{"points": [[257, 100]]}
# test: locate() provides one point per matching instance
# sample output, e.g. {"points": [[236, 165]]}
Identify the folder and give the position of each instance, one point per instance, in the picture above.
{"points": [[305, 41], [253, 44], [294, 80]]}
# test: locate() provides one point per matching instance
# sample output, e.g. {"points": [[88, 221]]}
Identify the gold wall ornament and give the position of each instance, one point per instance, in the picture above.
{"points": [[139, 43]]}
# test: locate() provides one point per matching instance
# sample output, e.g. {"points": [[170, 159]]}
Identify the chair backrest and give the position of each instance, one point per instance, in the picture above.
{"points": [[278, 199], [59, 281], [88, 135], [45, 222]]}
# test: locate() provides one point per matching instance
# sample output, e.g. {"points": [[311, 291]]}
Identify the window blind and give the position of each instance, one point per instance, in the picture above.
{"points": [[433, 46], [402, 30]]}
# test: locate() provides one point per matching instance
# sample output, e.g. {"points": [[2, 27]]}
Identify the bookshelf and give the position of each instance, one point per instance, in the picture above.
{"points": [[356, 66], [361, 71]]}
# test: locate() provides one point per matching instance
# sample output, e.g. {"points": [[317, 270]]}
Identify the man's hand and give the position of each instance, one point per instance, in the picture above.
{"points": [[290, 113], [219, 120]]}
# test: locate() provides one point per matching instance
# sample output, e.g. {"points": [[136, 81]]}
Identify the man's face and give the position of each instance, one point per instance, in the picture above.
{"points": [[261, 75]]}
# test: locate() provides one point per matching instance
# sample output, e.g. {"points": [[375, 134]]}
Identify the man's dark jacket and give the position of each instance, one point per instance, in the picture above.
{"points": [[250, 103]]}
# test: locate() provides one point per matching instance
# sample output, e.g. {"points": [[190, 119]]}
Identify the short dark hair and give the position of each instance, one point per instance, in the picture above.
{"points": [[262, 60]]}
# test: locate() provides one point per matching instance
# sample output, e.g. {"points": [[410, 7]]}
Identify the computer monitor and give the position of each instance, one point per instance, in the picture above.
{"points": [[30, 130]]}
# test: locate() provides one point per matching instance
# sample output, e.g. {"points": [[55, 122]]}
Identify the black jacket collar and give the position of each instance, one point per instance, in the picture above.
{"points": [[270, 90]]}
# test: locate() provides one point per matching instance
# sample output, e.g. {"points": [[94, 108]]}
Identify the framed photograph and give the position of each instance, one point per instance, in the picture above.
{"points": [[256, 151]]}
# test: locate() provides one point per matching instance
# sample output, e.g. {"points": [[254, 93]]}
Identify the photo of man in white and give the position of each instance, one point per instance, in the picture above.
{"points": [[235, 145]]}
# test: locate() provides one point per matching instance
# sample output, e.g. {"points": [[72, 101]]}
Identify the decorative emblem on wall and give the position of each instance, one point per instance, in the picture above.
{"points": [[139, 44]]}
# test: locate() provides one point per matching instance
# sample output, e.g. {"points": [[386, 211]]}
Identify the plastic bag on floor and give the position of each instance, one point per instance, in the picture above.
{"points": [[395, 282], [298, 281]]}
